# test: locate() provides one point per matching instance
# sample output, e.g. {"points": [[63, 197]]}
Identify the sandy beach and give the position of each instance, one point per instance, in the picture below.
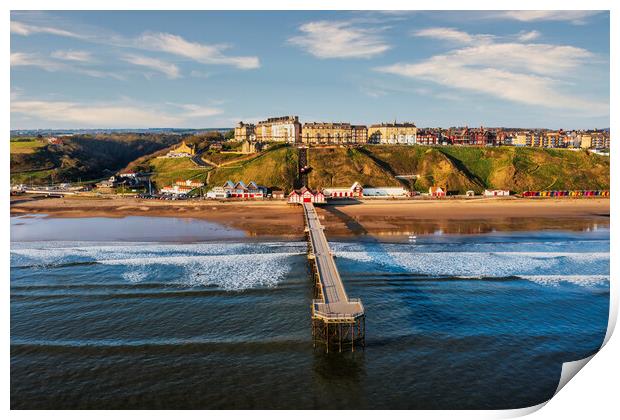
{"points": [[377, 217]]}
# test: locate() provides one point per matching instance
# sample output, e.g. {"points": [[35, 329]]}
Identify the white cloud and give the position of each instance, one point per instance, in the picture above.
{"points": [[528, 36], [453, 35], [539, 58], [202, 53], [24, 29], [126, 113], [71, 55], [197, 111], [19, 59], [24, 59], [92, 115], [169, 69], [325, 39], [574, 16], [148, 41], [534, 74], [456, 36]]}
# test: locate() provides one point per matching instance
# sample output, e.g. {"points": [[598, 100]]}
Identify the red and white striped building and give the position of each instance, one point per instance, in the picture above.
{"points": [[437, 192], [496, 193], [354, 191], [241, 190], [306, 195]]}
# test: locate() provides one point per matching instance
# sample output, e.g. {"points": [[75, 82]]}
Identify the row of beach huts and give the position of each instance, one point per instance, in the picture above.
{"points": [[566, 193]]}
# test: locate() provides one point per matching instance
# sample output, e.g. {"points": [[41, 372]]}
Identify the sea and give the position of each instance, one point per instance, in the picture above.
{"points": [[171, 313]]}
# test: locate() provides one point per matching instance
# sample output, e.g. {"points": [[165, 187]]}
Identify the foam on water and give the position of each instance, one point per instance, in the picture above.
{"points": [[241, 265], [581, 280], [548, 268], [230, 272], [231, 266]]}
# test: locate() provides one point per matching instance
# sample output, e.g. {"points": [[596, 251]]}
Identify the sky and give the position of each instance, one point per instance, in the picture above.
{"points": [[200, 69]]}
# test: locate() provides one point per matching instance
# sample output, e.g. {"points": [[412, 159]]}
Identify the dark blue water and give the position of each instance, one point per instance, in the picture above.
{"points": [[474, 321]]}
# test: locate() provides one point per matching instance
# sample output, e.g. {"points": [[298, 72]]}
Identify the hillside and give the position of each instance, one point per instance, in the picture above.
{"points": [[275, 168], [83, 157], [342, 167], [166, 171], [457, 168], [512, 168], [520, 168], [431, 165], [26, 144]]}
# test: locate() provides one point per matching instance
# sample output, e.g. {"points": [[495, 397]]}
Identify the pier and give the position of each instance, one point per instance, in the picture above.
{"points": [[338, 322]]}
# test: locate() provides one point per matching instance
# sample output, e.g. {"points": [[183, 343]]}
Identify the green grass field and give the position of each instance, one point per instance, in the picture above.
{"points": [[220, 158], [34, 177], [26, 145], [166, 170], [275, 168]]}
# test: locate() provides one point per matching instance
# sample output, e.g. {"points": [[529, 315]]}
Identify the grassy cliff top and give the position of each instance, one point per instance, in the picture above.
{"points": [[457, 168]]}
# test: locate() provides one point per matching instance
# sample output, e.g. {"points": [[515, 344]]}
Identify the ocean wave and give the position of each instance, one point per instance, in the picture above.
{"points": [[555, 279], [508, 245], [44, 254], [231, 266], [487, 264], [230, 272]]}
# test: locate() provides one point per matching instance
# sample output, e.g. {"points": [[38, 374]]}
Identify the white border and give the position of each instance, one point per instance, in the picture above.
{"points": [[593, 394]]}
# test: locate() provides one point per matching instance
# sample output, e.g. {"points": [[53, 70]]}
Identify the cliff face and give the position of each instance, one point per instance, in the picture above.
{"points": [[86, 157], [511, 168], [457, 168]]}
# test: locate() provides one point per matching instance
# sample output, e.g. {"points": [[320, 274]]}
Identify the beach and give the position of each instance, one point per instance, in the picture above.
{"points": [[376, 217]]}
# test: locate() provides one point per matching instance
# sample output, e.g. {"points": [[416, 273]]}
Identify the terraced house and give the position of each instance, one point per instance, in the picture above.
{"points": [[330, 133], [393, 133], [288, 129]]}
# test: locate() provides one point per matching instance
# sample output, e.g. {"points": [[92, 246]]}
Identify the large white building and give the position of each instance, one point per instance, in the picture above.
{"points": [[278, 129], [354, 191], [386, 192], [237, 190]]}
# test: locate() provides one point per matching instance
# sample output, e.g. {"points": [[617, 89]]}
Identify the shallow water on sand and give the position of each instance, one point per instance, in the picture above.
{"points": [[213, 320]]}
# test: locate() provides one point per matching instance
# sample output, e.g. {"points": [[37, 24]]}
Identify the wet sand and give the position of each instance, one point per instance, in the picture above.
{"points": [[377, 217]]}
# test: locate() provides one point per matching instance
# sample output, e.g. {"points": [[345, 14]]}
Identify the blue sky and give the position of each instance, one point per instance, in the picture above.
{"points": [[211, 69]]}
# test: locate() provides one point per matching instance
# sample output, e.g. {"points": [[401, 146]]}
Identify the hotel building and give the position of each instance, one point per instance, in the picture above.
{"points": [[393, 133], [333, 133], [245, 132], [279, 129]]}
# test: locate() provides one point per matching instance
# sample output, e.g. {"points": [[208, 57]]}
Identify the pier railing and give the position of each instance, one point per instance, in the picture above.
{"points": [[336, 316], [337, 320]]}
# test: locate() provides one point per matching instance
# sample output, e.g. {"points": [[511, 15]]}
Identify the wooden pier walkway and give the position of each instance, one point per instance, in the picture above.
{"points": [[337, 320]]}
